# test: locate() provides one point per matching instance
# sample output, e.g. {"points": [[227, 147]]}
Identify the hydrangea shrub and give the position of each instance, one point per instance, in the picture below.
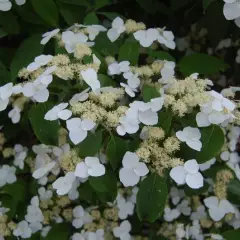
{"points": [[113, 144]]}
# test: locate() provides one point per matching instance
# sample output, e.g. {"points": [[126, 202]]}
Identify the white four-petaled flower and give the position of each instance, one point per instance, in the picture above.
{"points": [[167, 38], [81, 217], [189, 173], [191, 136], [122, 232], [218, 208], [118, 27], [231, 11], [146, 37], [132, 169], [58, 112], [48, 35], [78, 129], [91, 78], [39, 61], [90, 167]]}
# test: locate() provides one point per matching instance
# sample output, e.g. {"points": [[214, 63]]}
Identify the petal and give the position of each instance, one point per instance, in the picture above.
{"points": [[46, 80], [191, 166], [211, 202], [65, 114], [228, 104], [73, 124], [141, 169], [52, 114], [20, 2], [3, 104], [202, 120], [237, 22], [43, 59], [81, 170], [130, 160], [181, 136], [216, 117], [28, 90], [126, 226], [196, 145], [194, 181], [216, 214], [113, 34], [178, 174], [231, 10], [91, 161], [87, 124], [217, 105], [5, 6], [226, 206], [148, 117], [97, 170], [77, 136], [33, 66], [41, 96], [128, 177], [117, 22]]}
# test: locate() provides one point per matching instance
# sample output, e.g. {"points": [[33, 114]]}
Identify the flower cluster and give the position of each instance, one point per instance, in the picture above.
{"points": [[109, 136]]}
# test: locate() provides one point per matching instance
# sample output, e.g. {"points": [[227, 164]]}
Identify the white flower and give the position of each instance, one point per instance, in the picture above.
{"points": [[90, 167], [189, 173], [58, 112], [3, 210], [98, 235], [123, 231], [81, 217], [218, 110], [146, 37], [207, 165], [15, 115], [90, 77], [71, 40], [20, 2], [167, 72], [184, 208], [39, 61], [199, 214], [118, 68], [7, 175], [218, 208], [34, 213], [73, 194], [191, 136], [79, 97], [167, 38], [20, 155], [23, 230], [132, 169], [171, 214], [78, 129], [176, 195], [64, 184], [48, 35], [231, 11], [78, 236], [45, 194], [118, 27], [5, 92], [43, 170], [133, 83], [94, 30], [125, 207], [45, 231]]}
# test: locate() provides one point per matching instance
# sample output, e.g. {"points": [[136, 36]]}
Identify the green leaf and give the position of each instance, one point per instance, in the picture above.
{"points": [[46, 131], [91, 18], [25, 54], [129, 51], [233, 189], [105, 183], [59, 231], [116, 148], [201, 63], [206, 3], [85, 3], [165, 120], [176, 4], [87, 193], [47, 10], [162, 55], [91, 145], [71, 14], [231, 235], [212, 139], [151, 198], [106, 81], [3, 33], [5, 76], [111, 15], [149, 92], [101, 3], [9, 23], [104, 46]]}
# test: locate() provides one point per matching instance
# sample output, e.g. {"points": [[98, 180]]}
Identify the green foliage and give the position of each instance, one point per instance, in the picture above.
{"points": [[46, 131], [149, 92], [59, 231], [91, 18], [151, 198], [9, 22], [165, 120], [106, 81], [162, 55], [47, 10], [129, 51], [206, 3], [201, 63], [91, 145], [233, 189], [116, 148], [25, 54], [212, 141], [231, 234]]}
